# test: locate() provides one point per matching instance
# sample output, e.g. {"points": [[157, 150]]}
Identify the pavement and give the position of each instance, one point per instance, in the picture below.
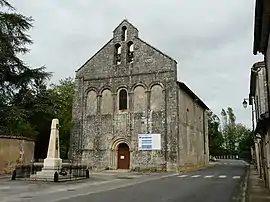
{"points": [[218, 183], [256, 191], [4, 176]]}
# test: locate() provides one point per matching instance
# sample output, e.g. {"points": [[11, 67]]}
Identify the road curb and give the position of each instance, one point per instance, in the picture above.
{"points": [[244, 185], [194, 169], [5, 177]]}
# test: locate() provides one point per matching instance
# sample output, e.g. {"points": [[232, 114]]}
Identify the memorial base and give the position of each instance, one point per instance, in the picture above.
{"points": [[52, 167]]}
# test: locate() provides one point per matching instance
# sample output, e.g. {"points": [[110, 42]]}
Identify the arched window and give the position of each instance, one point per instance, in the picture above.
{"points": [[124, 33], [130, 52], [123, 99], [117, 52]]}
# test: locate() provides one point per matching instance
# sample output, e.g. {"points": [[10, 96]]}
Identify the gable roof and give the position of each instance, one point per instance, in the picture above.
{"points": [[156, 49], [93, 55], [125, 20], [186, 89]]}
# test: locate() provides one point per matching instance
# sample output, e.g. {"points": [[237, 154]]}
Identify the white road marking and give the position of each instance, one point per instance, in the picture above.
{"points": [[6, 187], [208, 176], [222, 176], [195, 176], [236, 177], [182, 176]]}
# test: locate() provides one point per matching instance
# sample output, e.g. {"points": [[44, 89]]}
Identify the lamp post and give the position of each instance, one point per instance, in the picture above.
{"points": [[256, 142], [245, 104]]}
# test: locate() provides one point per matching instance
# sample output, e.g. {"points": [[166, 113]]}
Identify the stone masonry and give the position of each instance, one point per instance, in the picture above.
{"points": [[128, 88]]}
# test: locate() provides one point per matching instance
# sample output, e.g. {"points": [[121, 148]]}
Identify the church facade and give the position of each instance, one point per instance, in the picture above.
{"points": [[130, 112]]}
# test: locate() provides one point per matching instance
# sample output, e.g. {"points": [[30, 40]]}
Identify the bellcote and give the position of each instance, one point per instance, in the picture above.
{"points": [[125, 31]]}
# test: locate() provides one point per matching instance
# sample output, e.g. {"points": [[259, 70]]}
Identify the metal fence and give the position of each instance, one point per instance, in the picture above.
{"points": [[227, 157], [66, 172]]}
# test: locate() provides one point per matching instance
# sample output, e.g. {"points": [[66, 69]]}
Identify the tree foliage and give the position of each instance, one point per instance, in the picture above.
{"points": [[230, 131], [245, 144], [215, 136], [233, 139], [63, 99], [20, 86], [27, 105], [58, 100]]}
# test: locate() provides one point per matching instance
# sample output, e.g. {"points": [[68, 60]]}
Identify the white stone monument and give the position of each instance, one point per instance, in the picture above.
{"points": [[53, 162], [53, 155]]}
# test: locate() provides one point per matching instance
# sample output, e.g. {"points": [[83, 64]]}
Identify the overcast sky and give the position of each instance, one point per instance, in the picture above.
{"points": [[210, 39]]}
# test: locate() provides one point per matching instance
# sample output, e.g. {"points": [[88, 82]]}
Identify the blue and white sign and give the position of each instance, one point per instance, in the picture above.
{"points": [[149, 142]]}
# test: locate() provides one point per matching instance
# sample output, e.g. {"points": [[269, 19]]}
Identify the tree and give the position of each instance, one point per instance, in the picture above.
{"points": [[215, 136], [229, 132], [19, 84], [245, 143], [232, 117], [63, 98], [238, 137]]}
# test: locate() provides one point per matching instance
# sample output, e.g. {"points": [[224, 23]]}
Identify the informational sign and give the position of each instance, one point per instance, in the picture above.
{"points": [[149, 142]]}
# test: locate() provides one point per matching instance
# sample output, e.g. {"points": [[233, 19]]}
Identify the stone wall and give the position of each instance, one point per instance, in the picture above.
{"points": [[261, 92], [149, 111], [153, 106], [193, 132], [150, 81], [267, 65], [13, 151]]}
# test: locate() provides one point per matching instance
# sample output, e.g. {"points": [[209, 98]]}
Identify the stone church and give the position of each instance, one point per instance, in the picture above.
{"points": [[130, 112]]}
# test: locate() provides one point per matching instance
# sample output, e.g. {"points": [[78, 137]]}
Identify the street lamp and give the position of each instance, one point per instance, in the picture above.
{"points": [[245, 103]]}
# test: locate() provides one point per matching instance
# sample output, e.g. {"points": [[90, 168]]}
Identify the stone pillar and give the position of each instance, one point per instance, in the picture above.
{"points": [[112, 159], [148, 108], [114, 95], [261, 153], [257, 156], [252, 151], [206, 143], [131, 114], [267, 157], [165, 127], [99, 97], [77, 110]]}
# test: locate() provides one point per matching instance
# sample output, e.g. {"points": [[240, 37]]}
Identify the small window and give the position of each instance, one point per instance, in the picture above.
{"points": [[130, 52], [117, 52], [187, 112], [123, 99], [124, 33]]}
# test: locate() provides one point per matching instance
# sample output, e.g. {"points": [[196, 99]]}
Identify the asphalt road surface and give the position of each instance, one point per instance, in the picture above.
{"points": [[219, 183]]}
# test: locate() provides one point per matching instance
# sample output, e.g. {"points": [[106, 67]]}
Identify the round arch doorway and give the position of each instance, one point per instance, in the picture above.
{"points": [[123, 159]]}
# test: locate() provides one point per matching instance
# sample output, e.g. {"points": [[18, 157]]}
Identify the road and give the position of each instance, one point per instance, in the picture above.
{"points": [[219, 183]]}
